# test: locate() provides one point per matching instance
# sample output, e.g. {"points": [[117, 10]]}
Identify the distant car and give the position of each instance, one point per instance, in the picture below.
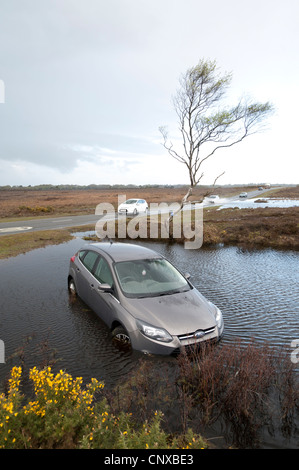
{"points": [[213, 198], [260, 188], [133, 206], [243, 195], [143, 298]]}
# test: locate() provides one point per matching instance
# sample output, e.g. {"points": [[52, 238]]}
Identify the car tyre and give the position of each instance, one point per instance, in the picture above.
{"points": [[72, 286], [120, 334]]}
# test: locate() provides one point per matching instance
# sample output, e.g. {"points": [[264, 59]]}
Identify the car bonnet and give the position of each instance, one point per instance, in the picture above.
{"points": [[178, 313]]}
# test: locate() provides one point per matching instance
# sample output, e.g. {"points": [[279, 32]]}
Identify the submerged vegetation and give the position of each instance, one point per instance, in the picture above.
{"points": [[246, 392]]}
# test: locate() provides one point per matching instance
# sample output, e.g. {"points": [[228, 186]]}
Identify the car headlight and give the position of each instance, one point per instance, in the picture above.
{"points": [[153, 332], [218, 315]]}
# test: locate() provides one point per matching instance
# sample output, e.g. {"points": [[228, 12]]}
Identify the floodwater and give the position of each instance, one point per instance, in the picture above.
{"points": [[257, 292]]}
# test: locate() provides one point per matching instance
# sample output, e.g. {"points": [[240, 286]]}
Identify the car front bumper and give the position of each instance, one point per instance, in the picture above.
{"points": [[147, 345]]}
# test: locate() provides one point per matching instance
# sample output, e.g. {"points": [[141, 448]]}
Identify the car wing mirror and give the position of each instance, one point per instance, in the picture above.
{"points": [[187, 276], [105, 288]]}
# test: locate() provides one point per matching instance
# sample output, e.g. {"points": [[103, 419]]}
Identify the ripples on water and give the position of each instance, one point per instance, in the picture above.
{"points": [[35, 304], [257, 292]]}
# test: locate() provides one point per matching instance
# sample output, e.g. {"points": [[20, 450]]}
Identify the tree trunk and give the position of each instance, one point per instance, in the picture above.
{"points": [[168, 221]]}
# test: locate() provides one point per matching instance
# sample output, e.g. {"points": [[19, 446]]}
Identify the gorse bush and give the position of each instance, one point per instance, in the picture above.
{"points": [[63, 414], [35, 210]]}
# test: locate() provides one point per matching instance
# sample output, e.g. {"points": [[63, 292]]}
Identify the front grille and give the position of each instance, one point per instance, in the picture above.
{"points": [[191, 336]]}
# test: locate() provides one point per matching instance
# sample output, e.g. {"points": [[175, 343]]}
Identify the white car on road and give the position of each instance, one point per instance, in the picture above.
{"points": [[133, 206]]}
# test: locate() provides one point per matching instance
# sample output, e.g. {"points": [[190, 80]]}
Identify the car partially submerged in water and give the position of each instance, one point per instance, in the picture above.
{"points": [[143, 298]]}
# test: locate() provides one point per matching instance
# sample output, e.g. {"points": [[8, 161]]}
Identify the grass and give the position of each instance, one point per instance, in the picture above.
{"points": [[265, 227], [260, 227], [42, 203], [13, 245]]}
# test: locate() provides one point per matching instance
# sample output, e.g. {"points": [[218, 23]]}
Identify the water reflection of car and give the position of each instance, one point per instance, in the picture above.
{"points": [[133, 206], [243, 195], [143, 298]]}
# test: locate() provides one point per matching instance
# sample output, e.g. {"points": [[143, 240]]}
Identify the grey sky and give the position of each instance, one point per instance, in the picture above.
{"points": [[88, 83]]}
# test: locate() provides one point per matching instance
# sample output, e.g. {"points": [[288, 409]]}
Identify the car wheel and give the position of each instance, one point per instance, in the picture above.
{"points": [[120, 334], [72, 286], [135, 212]]}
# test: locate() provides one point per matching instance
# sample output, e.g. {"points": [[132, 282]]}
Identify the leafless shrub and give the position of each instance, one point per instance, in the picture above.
{"points": [[244, 387]]}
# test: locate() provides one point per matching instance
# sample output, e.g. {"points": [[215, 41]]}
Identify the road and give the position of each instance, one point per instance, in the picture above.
{"points": [[49, 223]]}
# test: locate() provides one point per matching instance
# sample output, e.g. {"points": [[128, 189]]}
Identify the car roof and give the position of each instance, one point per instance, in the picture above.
{"points": [[124, 251]]}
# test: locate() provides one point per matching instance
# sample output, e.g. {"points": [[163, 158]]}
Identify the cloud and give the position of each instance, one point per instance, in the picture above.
{"points": [[92, 81]]}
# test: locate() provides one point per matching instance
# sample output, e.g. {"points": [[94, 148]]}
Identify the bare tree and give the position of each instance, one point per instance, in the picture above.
{"points": [[204, 125]]}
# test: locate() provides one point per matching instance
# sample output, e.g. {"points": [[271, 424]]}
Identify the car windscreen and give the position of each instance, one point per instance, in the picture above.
{"points": [[149, 278]]}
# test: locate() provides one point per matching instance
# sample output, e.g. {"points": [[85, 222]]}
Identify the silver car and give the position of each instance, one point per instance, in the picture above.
{"points": [[143, 298]]}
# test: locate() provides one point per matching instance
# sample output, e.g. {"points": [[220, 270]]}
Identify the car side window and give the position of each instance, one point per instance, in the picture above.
{"points": [[82, 254], [103, 273], [89, 259]]}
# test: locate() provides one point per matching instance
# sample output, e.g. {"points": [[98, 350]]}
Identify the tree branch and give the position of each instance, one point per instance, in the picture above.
{"points": [[202, 122]]}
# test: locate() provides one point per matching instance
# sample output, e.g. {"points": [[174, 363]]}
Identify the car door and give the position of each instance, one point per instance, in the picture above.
{"points": [[103, 303], [84, 277]]}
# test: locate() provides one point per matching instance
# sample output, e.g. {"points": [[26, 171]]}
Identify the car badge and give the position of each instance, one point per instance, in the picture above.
{"points": [[199, 334]]}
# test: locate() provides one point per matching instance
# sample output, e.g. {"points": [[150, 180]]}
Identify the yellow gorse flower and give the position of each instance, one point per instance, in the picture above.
{"points": [[53, 392], [49, 390]]}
